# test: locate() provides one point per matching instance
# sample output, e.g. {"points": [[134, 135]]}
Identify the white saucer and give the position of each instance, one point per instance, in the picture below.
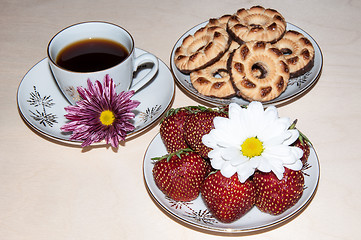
{"points": [[196, 214], [296, 86], [41, 103]]}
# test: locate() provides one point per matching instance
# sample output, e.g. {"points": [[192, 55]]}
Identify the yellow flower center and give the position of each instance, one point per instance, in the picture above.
{"points": [[107, 117], [252, 147]]}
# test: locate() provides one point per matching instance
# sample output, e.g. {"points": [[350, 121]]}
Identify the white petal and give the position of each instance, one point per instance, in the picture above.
{"points": [[278, 174], [238, 122], [209, 141], [286, 121], [290, 159], [247, 169], [271, 112], [220, 122], [278, 169], [281, 152], [297, 152], [264, 165], [276, 139], [244, 175], [295, 166], [269, 117], [233, 155], [254, 118], [277, 150], [214, 139], [228, 139], [275, 164], [235, 112], [294, 135], [241, 160], [234, 108], [227, 133], [274, 130], [256, 107], [255, 161], [217, 163], [215, 153], [228, 170]]}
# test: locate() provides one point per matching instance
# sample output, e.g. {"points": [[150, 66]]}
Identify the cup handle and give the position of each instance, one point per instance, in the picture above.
{"points": [[144, 58]]}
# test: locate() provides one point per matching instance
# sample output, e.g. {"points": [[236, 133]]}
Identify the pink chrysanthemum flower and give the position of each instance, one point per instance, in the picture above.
{"points": [[101, 115]]}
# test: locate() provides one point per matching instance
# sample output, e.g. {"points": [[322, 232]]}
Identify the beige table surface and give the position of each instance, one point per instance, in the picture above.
{"points": [[52, 191]]}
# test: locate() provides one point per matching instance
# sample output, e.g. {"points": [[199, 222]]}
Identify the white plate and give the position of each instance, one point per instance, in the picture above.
{"points": [[295, 88], [41, 103], [196, 214]]}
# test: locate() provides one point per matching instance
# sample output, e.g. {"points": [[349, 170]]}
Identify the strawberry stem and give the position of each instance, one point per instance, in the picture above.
{"points": [[293, 125], [193, 109], [170, 155]]}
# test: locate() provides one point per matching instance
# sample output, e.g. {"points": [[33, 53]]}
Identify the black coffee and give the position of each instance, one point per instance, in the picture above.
{"points": [[91, 55]]}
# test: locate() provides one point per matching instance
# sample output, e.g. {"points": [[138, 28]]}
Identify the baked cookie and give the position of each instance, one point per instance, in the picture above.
{"points": [[298, 51], [219, 22], [256, 24], [258, 71], [205, 47], [215, 80]]}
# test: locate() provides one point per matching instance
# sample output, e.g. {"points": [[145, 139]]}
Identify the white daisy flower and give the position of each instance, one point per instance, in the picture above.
{"points": [[253, 138]]}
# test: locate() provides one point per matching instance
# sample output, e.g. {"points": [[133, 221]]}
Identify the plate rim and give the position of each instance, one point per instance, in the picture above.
{"points": [[230, 230], [218, 101], [78, 143]]}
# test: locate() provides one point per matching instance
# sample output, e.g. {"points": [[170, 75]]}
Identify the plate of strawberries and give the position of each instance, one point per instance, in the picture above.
{"points": [[185, 175]]}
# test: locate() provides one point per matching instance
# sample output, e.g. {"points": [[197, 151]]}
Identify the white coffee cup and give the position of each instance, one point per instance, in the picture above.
{"points": [[122, 73]]}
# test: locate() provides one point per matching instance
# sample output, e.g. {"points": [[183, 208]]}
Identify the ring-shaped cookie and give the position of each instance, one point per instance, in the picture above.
{"points": [[203, 48], [258, 71], [298, 51], [219, 22], [256, 24], [215, 80]]}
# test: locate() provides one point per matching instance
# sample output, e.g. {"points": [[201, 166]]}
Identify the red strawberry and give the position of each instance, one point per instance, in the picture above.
{"points": [[303, 143], [171, 129], [275, 196], [181, 174], [227, 198], [197, 125]]}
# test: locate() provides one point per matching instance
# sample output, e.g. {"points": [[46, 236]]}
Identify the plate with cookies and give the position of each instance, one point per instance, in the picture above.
{"points": [[251, 55]]}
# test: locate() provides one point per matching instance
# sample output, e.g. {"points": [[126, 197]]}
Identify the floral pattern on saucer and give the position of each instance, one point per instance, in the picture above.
{"points": [[41, 103]]}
